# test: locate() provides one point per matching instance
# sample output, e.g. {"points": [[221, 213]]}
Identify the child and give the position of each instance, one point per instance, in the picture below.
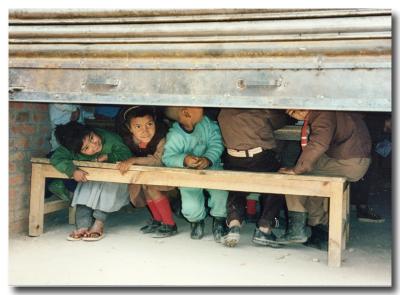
{"points": [[249, 138], [61, 114], [339, 145], [93, 199], [194, 141], [145, 136]]}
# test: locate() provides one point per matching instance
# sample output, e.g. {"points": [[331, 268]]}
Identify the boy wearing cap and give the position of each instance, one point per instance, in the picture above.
{"points": [[249, 138], [195, 142], [338, 144]]}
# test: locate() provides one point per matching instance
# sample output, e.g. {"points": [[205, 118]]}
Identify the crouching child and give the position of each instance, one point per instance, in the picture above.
{"points": [[93, 200], [195, 142]]}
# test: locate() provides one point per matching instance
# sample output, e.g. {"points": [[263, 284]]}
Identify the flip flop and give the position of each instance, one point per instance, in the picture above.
{"points": [[93, 236], [77, 237]]}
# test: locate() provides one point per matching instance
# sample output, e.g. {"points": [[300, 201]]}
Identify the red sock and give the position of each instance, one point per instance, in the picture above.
{"points": [[165, 210], [251, 207], [154, 211]]}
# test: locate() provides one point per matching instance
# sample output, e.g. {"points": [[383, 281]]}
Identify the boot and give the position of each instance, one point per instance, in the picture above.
{"points": [[319, 238], [197, 230], [298, 231], [219, 228], [366, 214], [150, 227], [166, 230]]}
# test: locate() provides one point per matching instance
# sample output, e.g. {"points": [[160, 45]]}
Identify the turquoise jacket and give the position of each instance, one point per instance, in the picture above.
{"points": [[204, 141], [113, 147]]}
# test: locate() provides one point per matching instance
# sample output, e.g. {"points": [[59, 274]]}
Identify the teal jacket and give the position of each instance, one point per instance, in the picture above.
{"points": [[113, 147], [204, 141]]}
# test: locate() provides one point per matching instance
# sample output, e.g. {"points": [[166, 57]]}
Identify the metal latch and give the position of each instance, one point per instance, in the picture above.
{"points": [[242, 84], [12, 89], [111, 83]]}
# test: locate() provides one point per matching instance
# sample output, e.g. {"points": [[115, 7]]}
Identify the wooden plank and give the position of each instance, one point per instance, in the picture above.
{"points": [[336, 225], [36, 211], [55, 206], [224, 180], [214, 173]]}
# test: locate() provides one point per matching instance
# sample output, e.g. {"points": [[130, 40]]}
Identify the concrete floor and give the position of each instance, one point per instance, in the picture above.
{"points": [[126, 257]]}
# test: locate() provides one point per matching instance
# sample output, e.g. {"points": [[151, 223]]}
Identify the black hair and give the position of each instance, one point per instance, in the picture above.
{"points": [[123, 121], [71, 135], [139, 111]]}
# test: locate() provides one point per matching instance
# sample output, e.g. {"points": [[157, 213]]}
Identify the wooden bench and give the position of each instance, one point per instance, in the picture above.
{"points": [[334, 188]]}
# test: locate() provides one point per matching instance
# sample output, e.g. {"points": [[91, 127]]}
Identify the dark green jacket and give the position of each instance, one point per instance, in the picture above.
{"points": [[113, 147]]}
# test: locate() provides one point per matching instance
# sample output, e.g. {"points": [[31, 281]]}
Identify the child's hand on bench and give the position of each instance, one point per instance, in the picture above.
{"points": [[80, 175], [123, 166], [286, 170], [196, 162]]}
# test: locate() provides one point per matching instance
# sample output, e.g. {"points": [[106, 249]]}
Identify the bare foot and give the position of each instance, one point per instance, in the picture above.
{"points": [[97, 227]]}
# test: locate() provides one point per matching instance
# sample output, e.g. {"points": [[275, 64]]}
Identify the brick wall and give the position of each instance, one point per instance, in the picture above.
{"points": [[29, 132]]}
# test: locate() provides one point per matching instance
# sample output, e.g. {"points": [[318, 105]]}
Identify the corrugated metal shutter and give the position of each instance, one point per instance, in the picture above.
{"points": [[322, 59]]}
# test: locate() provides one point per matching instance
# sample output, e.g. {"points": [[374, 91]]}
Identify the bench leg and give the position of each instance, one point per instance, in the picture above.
{"points": [[336, 225], [346, 215], [71, 215], [36, 210]]}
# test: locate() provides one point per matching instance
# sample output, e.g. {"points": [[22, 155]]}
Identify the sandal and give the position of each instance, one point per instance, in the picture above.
{"points": [[75, 237], [93, 236]]}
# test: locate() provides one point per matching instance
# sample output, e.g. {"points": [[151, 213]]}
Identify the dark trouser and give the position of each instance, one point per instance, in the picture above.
{"points": [[271, 204]]}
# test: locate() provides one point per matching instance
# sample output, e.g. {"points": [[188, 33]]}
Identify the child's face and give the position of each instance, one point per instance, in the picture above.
{"points": [[91, 144], [298, 114], [143, 128]]}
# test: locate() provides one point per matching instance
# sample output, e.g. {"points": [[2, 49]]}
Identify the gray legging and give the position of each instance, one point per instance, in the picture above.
{"points": [[84, 216]]}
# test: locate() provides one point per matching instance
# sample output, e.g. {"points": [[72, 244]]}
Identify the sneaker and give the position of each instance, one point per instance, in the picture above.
{"points": [[366, 214], [166, 230], [58, 188], [197, 232], [233, 237], [265, 239], [219, 228], [151, 227]]}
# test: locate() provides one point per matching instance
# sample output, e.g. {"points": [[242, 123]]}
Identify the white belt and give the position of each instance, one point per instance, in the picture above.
{"points": [[244, 154]]}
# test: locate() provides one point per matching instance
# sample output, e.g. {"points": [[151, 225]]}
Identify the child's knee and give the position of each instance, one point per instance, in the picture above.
{"points": [[151, 192], [192, 209]]}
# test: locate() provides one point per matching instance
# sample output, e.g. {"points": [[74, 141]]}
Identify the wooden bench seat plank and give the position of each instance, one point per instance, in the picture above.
{"points": [[224, 180], [275, 176]]}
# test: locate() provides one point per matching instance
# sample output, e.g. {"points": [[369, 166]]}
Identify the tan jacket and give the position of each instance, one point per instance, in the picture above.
{"points": [[244, 129], [340, 135]]}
